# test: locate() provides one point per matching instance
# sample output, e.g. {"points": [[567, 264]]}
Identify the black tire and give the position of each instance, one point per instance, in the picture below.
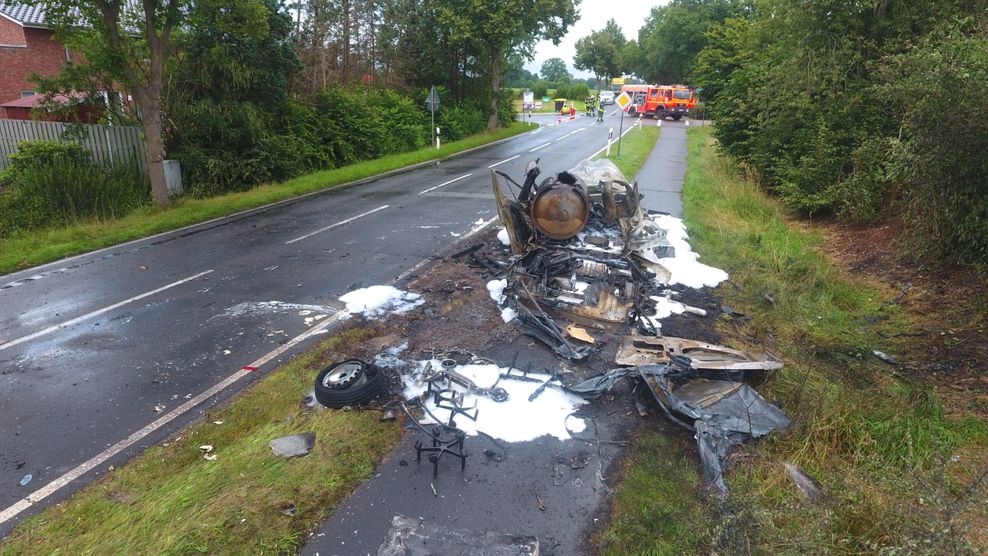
{"points": [[677, 117], [350, 382]]}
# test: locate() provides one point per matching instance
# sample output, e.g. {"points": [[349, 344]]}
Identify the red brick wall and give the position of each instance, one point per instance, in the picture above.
{"points": [[42, 55], [11, 34]]}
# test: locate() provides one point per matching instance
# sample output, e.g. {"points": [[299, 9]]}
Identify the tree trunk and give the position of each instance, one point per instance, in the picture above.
{"points": [[495, 87], [150, 106]]}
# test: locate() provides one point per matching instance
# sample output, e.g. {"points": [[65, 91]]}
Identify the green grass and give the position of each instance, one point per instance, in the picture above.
{"points": [[40, 246], [655, 507], [635, 148], [169, 500], [881, 447]]}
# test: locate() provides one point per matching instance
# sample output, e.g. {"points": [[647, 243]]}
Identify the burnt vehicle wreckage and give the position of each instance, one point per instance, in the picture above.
{"points": [[585, 260], [585, 250]]}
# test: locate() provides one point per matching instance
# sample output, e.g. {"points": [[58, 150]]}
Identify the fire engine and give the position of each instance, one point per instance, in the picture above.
{"points": [[659, 101]]}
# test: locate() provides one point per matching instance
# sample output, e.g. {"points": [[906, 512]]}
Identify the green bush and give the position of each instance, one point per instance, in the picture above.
{"points": [[540, 89], [52, 184], [461, 121], [579, 91]]}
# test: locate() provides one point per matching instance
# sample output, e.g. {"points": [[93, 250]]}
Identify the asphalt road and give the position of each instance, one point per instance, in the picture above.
{"points": [[105, 354]]}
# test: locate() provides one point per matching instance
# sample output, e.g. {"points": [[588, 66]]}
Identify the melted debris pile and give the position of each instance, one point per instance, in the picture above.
{"points": [[585, 255]]}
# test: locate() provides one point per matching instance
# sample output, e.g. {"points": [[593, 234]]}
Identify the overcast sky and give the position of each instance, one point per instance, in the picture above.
{"points": [[630, 16]]}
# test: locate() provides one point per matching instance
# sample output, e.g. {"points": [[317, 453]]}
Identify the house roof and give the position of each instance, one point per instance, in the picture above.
{"points": [[34, 100], [28, 16]]}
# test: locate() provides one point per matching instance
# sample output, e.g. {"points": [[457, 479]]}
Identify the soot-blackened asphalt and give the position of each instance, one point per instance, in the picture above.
{"points": [[95, 349], [523, 488]]}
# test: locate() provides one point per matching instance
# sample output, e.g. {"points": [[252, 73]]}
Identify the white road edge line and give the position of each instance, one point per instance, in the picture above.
{"points": [[505, 160], [97, 312], [82, 469], [87, 466], [445, 183], [539, 147], [423, 262], [338, 224]]}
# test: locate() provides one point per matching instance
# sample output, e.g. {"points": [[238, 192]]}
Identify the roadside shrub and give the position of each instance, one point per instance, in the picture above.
{"points": [[60, 185], [461, 121], [562, 91], [221, 146], [541, 88], [506, 109], [579, 91], [43, 153], [20, 211], [407, 129]]}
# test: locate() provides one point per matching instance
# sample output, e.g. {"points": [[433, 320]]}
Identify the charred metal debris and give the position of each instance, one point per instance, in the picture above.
{"points": [[585, 251]]}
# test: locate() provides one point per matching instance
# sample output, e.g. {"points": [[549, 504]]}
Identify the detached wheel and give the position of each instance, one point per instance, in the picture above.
{"points": [[351, 382], [677, 117]]}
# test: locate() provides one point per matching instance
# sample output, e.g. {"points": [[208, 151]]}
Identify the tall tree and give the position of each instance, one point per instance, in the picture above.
{"points": [[555, 71], [131, 42], [503, 27], [673, 35], [601, 51]]}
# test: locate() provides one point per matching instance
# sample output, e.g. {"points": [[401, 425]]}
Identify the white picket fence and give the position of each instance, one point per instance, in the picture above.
{"points": [[108, 143]]}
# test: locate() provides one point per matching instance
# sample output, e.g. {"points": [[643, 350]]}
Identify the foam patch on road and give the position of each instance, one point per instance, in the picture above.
{"points": [[685, 266], [378, 301], [514, 420]]}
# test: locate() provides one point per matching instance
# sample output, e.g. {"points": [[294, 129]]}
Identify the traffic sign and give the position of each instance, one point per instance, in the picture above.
{"points": [[623, 100], [433, 100]]}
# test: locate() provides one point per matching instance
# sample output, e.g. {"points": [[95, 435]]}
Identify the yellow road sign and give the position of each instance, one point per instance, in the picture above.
{"points": [[623, 100]]}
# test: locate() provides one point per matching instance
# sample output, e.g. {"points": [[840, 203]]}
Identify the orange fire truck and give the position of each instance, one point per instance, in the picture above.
{"points": [[674, 101]]}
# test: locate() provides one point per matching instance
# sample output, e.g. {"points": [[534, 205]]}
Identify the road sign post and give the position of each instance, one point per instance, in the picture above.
{"points": [[433, 103], [623, 100]]}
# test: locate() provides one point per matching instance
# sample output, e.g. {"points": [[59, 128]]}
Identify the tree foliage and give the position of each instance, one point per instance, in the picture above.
{"points": [[554, 70], [129, 43], [601, 52], [502, 27], [860, 109], [673, 35]]}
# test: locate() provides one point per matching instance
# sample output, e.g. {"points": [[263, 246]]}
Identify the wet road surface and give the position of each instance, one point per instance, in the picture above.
{"points": [[104, 354]]}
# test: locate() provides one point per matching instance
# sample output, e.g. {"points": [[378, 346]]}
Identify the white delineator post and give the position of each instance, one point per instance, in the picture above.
{"points": [[437, 137]]}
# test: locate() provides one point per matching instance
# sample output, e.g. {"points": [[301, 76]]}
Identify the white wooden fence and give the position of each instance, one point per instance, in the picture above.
{"points": [[108, 143]]}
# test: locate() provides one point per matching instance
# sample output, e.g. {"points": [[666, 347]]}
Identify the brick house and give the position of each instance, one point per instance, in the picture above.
{"points": [[26, 47]]}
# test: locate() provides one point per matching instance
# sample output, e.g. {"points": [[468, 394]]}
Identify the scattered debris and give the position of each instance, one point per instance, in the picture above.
{"points": [[158, 408], [478, 386], [578, 333], [388, 415], [651, 350], [807, 485], [293, 446], [412, 537], [26, 479], [288, 509], [885, 357]]}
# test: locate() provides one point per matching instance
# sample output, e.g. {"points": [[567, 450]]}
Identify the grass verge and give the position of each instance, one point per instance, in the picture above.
{"points": [[169, 500], [899, 475], [635, 148], [40, 246]]}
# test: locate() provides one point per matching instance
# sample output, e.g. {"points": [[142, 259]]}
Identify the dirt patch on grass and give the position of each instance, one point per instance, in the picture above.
{"points": [[948, 304]]}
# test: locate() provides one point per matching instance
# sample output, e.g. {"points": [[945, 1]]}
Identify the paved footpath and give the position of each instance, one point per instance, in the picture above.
{"points": [[661, 177], [503, 496]]}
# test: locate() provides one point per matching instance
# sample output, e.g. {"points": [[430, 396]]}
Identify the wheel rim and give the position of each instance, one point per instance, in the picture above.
{"points": [[343, 375]]}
